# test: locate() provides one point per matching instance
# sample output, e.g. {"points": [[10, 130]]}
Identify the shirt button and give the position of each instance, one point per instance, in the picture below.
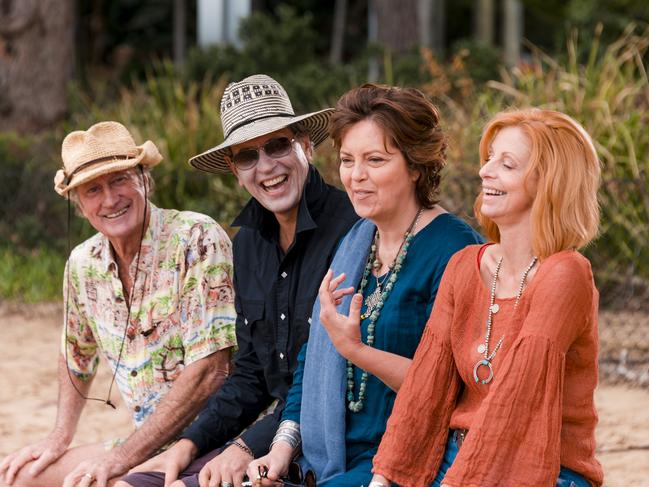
{"points": [[282, 316], [245, 321], [137, 409], [133, 373], [281, 355], [284, 274], [309, 320]]}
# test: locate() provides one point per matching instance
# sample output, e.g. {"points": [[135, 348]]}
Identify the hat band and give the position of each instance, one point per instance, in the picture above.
{"points": [[246, 122], [92, 163]]}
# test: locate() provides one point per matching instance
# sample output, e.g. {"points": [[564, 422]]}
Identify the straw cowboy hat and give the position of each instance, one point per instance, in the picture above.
{"points": [[104, 148], [252, 107]]}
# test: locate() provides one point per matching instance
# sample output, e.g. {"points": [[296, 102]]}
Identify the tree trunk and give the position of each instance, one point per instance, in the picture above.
{"points": [[397, 25], [432, 24], [180, 28], [36, 62], [338, 32], [512, 31], [439, 25], [483, 22], [372, 38]]}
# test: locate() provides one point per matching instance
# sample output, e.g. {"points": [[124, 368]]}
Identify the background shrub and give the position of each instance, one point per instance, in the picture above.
{"points": [[605, 87]]}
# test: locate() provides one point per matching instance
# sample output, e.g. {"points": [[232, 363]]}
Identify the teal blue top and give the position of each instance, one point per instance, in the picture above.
{"points": [[398, 329]]}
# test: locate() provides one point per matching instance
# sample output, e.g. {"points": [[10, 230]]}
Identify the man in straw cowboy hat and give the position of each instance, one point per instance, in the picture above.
{"points": [[289, 230], [152, 292]]}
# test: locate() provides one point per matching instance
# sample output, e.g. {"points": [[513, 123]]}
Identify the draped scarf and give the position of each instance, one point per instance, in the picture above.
{"points": [[323, 409]]}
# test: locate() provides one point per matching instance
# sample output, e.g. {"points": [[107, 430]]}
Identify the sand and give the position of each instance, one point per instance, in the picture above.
{"points": [[29, 337]]}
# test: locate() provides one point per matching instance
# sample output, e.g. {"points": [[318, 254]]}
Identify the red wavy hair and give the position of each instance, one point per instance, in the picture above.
{"points": [[565, 212]]}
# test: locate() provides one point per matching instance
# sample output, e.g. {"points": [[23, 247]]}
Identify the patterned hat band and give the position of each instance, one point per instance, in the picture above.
{"points": [[253, 107], [250, 120]]}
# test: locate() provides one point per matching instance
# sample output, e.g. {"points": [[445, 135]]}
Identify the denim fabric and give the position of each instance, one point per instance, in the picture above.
{"points": [[567, 477]]}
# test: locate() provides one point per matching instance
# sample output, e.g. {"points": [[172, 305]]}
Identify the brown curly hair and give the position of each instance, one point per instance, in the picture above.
{"points": [[410, 120]]}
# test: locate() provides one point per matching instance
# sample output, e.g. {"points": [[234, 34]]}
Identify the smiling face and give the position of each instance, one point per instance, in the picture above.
{"points": [[114, 204], [507, 189], [277, 184], [375, 173]]}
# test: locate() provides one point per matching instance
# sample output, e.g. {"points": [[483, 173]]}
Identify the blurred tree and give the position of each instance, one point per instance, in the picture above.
{"points": [[397, 28], [180, 31], [432, 24], [338, 32], [512, 31], [36, 61], [549, 22], [483, 20]]}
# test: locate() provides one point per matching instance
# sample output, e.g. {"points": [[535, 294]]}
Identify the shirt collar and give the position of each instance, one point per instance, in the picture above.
{"points": [[105, 253], [255, 216]]}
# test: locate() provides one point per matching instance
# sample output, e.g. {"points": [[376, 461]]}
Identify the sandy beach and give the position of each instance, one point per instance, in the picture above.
{"points": [[29, 337]]}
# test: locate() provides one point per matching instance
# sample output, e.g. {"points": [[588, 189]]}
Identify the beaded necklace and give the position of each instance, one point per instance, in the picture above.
{"points": [[374, 303], [493, 309]]}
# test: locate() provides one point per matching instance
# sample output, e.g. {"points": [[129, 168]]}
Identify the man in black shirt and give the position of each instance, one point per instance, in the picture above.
{"points": [[289, 231]]}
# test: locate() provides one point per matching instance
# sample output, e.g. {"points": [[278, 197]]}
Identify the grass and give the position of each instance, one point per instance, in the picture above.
{"points": [[31, 277]]}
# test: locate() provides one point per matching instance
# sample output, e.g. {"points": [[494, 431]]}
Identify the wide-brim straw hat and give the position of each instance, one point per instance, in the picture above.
{"points": [[104, 148], [256, 106]]}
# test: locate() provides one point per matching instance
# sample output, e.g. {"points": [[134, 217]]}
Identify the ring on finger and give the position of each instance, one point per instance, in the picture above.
{"points": [[89, 476], [226, 484]]}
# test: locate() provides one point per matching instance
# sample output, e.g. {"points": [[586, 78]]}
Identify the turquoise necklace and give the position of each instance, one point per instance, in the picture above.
{"points": [[374, 303]]}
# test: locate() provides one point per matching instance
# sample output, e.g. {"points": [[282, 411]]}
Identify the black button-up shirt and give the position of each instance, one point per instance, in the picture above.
{"points": [[275, 292]]}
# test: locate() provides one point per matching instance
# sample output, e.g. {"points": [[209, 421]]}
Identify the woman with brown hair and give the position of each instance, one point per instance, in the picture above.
{"points": [[374, 303], [500, 392]]}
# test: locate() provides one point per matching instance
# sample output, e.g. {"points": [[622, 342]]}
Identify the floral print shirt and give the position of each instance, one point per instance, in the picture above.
{"points": [[182, 308]]}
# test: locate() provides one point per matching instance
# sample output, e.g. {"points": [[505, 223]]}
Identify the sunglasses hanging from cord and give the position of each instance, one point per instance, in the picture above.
{"points": [[129, 300]]}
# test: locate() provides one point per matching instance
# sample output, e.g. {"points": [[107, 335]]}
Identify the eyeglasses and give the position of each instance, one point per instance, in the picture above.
{"points": [[276, 147]]}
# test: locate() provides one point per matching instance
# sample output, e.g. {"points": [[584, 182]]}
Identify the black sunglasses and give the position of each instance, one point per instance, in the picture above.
{"points": [[294, 477], [276, 147]]}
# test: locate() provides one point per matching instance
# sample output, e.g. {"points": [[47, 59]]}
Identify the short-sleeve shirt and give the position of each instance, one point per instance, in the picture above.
{"points": [[182, 308]]}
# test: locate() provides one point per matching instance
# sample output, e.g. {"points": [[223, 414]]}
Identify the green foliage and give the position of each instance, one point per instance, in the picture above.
{"points": [[28, 205], [604, 86], [608, 92], [284, 48], [31, 276], [558, 19]]}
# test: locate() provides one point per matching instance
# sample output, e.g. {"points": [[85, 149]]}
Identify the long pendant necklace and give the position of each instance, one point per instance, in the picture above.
{"points": [[377, 304], [373, 299], [493, 309]]}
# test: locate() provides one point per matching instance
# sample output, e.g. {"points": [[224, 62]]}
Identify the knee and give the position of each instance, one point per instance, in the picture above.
{"points": [[24, 480]]}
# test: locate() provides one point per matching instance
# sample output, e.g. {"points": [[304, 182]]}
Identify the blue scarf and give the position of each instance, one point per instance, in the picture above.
{"points": [[322, 416]]}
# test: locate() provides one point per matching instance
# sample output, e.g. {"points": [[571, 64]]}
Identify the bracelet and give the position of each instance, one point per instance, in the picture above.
{"points": [[376, 483], [242, 446], [289, 425], [293, 441]]}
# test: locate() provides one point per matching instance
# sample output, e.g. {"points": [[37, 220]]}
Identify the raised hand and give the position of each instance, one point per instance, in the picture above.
{"points": [[344, 330]]}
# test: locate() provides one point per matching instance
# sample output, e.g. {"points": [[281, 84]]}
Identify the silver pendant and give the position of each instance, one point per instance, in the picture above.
{"points": [[483, 363], [481, 348], [372, 300], [495, 308]]}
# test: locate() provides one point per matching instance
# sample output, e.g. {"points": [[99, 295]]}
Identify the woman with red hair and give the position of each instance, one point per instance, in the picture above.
{"points": [[500, 392]]}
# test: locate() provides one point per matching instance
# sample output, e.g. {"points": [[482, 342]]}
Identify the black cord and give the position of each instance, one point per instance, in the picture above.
{"points": [[106, 401]]}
